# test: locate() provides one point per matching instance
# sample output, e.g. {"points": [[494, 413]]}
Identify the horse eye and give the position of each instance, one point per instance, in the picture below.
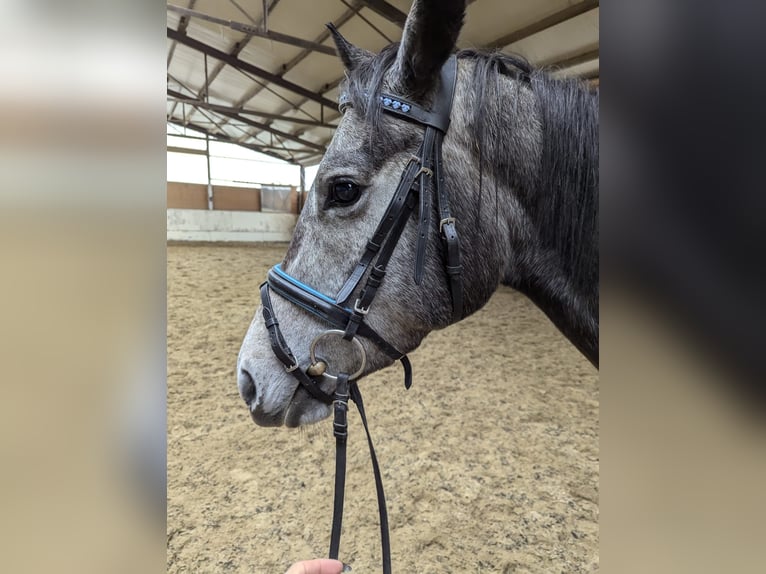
{"points": [[344, 193]]}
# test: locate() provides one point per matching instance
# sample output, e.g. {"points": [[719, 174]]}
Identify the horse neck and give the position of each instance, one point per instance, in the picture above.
{"points": [[539, 180]]}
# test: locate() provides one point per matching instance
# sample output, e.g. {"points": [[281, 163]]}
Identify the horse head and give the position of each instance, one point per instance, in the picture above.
{"points": [[403, 173]]}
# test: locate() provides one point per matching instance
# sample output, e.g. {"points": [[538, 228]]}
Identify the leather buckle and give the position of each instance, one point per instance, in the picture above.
{"points": [[341, 401], [359, 309], [291, 368], [426, 171], [446, 221], [340, 422], [340, 427]]}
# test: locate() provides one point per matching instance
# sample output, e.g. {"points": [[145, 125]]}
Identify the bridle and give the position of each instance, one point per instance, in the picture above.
{"points": [[423, 177]]}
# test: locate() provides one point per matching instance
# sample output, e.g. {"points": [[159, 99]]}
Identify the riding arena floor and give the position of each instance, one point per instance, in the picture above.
{"points": [[490, 461]]}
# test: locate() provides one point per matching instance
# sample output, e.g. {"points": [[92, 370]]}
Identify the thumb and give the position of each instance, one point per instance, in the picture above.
{"points": [[316, 566]]}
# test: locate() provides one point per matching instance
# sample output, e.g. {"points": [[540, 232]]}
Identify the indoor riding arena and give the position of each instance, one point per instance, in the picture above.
{"points": [[490, 461]]}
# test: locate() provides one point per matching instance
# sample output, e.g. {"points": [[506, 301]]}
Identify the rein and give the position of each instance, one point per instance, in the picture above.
{"points": [[422, 176]]}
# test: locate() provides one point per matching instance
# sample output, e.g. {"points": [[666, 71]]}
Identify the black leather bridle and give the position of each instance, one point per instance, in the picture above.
{"points": [[423, 176]]}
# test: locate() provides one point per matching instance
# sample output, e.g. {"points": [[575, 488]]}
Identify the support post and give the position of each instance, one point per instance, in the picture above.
{"points": [[207, 147], [209, 183]]}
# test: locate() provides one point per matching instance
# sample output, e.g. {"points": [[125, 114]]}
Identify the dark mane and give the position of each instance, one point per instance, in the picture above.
{"points": [[559, 190], [561, 195], [565, 202], [508, 64]]}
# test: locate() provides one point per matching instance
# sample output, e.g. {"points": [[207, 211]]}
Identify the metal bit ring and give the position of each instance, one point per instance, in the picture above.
{"points": [[338, 333]]}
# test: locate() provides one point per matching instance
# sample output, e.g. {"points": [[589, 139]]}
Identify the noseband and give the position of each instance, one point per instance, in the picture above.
{"points": [[422, 177]]}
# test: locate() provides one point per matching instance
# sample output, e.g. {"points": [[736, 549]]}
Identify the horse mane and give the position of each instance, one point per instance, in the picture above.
{"points": [[565, 205], [559, 191]]}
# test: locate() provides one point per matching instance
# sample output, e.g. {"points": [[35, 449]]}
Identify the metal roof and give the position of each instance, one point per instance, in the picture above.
{"points": [[263, 74]]}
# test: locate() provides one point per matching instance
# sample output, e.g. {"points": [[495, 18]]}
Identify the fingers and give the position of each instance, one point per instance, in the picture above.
{"points": [[316, 566]]}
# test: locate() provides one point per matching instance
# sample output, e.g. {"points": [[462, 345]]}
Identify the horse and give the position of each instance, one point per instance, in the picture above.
{"points": [[515, 158]]}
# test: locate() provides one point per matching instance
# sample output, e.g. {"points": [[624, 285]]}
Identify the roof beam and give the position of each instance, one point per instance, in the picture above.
{"points": [[256, 31], [345, 17], [264, 23], [271, 130], [367, 20], [179, 97], [188, 150], [587, 55], [324, 90], [185, 87], [236, 49], [221, 124], [256, 89], [247, 67], [228, 139], [389, 12], [194, 151], [182, 25], [552, 20]]}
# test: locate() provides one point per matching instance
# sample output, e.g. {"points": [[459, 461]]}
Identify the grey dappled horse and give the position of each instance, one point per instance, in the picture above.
{"points": [[520, 163]]}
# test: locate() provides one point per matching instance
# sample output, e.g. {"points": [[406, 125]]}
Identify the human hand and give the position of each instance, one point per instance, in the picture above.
{"points": [[318, 566]]}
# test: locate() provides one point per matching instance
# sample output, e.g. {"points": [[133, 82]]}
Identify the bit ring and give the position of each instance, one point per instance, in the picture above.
{"points": [[338, 333]]}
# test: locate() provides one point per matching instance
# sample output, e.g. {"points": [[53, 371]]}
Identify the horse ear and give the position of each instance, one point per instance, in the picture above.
{"points": [[350, 55], [429, 36]]}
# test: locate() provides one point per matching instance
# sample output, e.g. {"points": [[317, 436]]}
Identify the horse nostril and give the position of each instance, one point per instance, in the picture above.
{"points": [[246, 386]]}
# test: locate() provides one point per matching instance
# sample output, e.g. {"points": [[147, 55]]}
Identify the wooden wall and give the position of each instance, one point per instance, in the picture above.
{"points": [[225, 198], [187, 195], [236, 198]]}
